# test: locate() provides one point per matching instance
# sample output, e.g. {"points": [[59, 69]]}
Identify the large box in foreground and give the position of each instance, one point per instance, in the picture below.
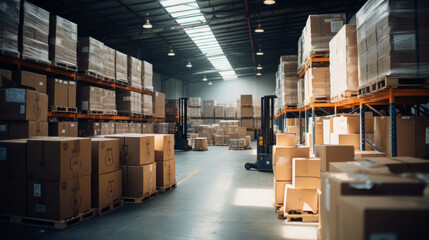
{"points": [[23, 104], [139, 181]]}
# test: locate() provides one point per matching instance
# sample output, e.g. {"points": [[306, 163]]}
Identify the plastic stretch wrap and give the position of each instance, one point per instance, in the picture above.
{"points": [[35, 33], [392, 39], [109, 62], [122, 127], [62, 41], [147, 75], [121, 66], [195, 102], [147, 106], [219, 111], [286, 81], [129, 102], [134, 72], [108, 99], [301, 90], [9, 22], [147, 128], [201, 143], [237, 143], [194, 112], [317, 83], [301, 60], [204, 131], [343, 61], [135, 128], [209, 108], [230, 112], [90, 56], [94, 98]]}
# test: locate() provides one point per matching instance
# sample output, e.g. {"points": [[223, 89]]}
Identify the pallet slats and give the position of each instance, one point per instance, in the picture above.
{"points": [[140, 200], [167, 188], [115, 205], [387, 82], [62, 109]]}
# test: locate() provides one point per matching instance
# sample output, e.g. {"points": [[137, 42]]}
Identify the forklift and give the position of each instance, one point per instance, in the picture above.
{"points": [[266, 138], [181, 134]]}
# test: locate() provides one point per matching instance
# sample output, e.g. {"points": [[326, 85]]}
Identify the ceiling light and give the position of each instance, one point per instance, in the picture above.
{"points": [[260, 53], [269, 2], [210, 83], [259, 29], [205, 78], [171, 53], [147, 24], [189, 65], [259, 67], [258, 74]]}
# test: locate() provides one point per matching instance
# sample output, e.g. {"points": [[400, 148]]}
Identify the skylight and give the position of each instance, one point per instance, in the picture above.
{"points": [[187, 12]]}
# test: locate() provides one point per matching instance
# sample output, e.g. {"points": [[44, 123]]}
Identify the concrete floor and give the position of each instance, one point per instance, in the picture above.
{"points": [[216, 199]]}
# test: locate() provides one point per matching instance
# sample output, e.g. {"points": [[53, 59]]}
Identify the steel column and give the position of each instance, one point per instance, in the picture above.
{"points": [[392, 114], [306, 120], [300, 129], [313, 116], [362, 127]]}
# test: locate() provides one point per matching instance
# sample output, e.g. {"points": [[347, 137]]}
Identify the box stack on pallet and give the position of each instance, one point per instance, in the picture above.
{"points": [[194, 111], [208, 111], [63, 129], [172, 110], [246, 112], [165, 162], [230, 113], [292, 126], [200, 144], [158, 101], [121, 68], [256, 118], [90, 57], [63, 43], [286, 82], [62, 94], [134, 72], [219, 113], [147, 76], [109, 64], [10, 27]]}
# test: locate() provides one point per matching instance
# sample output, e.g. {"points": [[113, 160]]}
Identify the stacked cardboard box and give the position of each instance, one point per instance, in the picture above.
{"points": [[219, 112], [333, 153], [343, 63], [346, 130], [147, 128], [137, 161], [63, 129], [204, 131], [121, 68], [147, 105], [62, 93], [165, 161], [9, 28], [391, 43], [158, 101], [246, 111], [87, 129], [301, 92], [60, 188], [129, 102], [107, 128], [90, 56], [62, 42], [24, 79], [109, 63], [35, 34], [106, 179], [200, 144], [172, 109], [122, 127], [134, 72], [286, 81], [196, 122], [165, 128], [194, 112], [147, 76], [208, 108], [318, 133], [230, 112], [238, 143], [91, 98], [195, 102], [191, 141], [135, 127], [25, 113], [317, 84]]}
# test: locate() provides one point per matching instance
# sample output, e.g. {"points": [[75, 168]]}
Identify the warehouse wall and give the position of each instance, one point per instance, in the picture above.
{"points": [[230, 91], [172, 87]]}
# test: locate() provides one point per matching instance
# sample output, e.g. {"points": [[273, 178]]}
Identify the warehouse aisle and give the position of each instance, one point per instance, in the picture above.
{"points": [[215, 199]]}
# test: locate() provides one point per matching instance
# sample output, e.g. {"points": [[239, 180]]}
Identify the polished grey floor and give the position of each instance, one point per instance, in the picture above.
{"points": [[216, 198]]}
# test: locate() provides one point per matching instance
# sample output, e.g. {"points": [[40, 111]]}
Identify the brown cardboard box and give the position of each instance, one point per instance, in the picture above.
{"points": [[286, 154], [285, 139], [164, 147], [139, 181], [279, 191], [22, 129], [306, 173], [59, 200], [346, 139], [366, 154], [246, 112], [107, 128], [246, 100], [63, 129], [165, 173], [62, 42], [300, 199], [294, 130], [158, 102], [90, 56], [105, 155], [87, 129], [121, 67], [13, 200], [396, 165], [405, 135], [58, 92], [135, 149], [247, 123], [13, 158], [106, 188], [346, 125], [33, 80], [327, 130], [58, 158], [383, 217], [23, 104], [121, 128], [333, 153], [71, 93], [336, 186]]}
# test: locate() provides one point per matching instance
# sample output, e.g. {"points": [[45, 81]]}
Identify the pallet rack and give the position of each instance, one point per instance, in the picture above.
{"points": [[19, 64], [391, 101]]}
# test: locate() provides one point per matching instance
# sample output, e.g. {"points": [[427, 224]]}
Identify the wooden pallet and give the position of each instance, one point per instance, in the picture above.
{"points": [[37, 61], [167, 188], [317, 54], [110, 112], [45, 223], [61, 109], [93, 112], [109, 80], [122, 82], [316, 100], [240, 148], [134, 115], [289, 106], [302, 217], [91, 74], [277, 207], [247, 106], [364, 90], [200, 150], [63, 66], [344, 95], [221, 144], [140, 200], [7, 53], [386, 82], [115, 205]]}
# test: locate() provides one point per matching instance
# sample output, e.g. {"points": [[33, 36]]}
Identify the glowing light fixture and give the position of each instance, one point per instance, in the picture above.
{"points": [[259, 29], [189, 65], [258, 74], [210, 83], [269, 2], [259, 53], [259, 67], [147, 25], [171, 53], [205, 78]]}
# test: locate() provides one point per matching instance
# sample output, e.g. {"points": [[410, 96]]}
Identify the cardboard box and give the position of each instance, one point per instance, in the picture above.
{"points": [[165, 173], [62, 42], [13, 158], [286, 154], [383, 217], [383, 165], [23, 104], [366, 154], [306, 173], [346, 139], [22, 129], [107, 128], [63, 129], [139, 181], [346, 125], [14, 196], [121, 67], [246, 100], [247, 123], [333, 153], [58, 200], [134, 72], [135, 149], [158, 101], [71, 94], [33, 80], [336, 186], [105, 155], [279, 191], [90, 56], [87, 129], [327, 130], [58, 158], [58, 92], [246, 112], [285, 139], [106, 188], [164, 147], [300, 199]]}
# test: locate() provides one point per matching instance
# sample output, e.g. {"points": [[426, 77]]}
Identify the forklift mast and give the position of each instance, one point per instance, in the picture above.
{"points": [[267, 123], [182, 119]]}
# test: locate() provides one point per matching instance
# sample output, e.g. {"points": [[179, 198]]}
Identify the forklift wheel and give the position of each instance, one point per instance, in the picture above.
{"points": [[189, 148], [247, 166]]}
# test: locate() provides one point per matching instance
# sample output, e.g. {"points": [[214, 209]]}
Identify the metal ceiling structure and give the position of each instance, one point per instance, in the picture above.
{"points": [[118, 23]]}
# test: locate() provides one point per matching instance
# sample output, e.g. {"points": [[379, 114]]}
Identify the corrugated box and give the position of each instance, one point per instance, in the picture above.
{"points": [[164, 147], [129, 102], [285, 139], [22, 129], [104, 155], [134, 72], [23, 104], [9, 24], [106, 188], [165, 173], [300, 199], [135, 149], [147, 76], [246, 100], [306, 173], [279, 191], [13, 159], [333, 153], [139, 181], [90, 56], [62, 42], [109, 63], [33, 80], [63, 129], [317, 83], [121, 68]]}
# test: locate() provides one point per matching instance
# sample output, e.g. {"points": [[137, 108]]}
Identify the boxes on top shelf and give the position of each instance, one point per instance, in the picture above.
{"points": [[23, 104], [9, 23], [90, 57], [147, 75], [109, 64], [63, 43], [121, 68], [134, 72], [129, 102]]}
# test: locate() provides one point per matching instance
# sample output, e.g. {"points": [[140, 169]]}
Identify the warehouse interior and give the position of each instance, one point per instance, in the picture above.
{"points": [[214, 119]]}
